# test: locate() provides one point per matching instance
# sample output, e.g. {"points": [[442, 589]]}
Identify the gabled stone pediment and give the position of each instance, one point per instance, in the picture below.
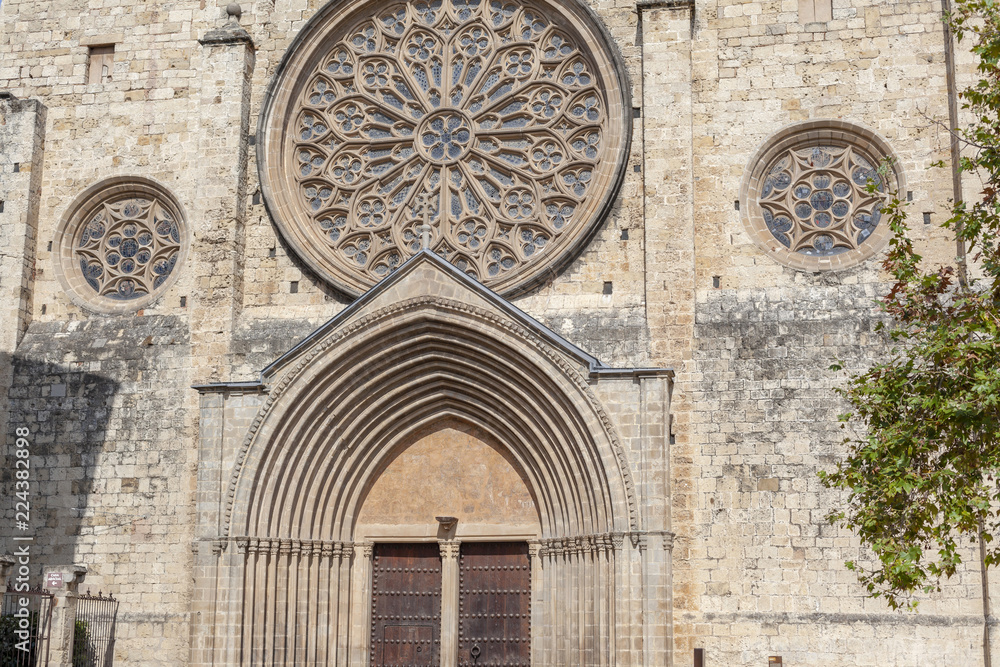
{"points": [[428, 281]]}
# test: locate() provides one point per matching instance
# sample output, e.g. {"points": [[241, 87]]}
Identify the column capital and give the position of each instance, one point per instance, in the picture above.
{"points": [[450, 549], [364, 549]]}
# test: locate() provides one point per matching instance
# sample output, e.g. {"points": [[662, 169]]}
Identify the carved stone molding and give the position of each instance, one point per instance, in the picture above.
{"points": [[450, 549], [379, 319]]}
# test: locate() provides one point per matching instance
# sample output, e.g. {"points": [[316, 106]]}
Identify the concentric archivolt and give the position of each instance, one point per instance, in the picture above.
{"points": [[581, 477], [490, 131]]}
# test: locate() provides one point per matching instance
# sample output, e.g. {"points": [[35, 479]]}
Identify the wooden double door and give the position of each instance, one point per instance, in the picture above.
{"points": [[494, 605]]}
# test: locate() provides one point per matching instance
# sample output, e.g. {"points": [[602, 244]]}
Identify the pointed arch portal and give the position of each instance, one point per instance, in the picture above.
{"points": [[417, 389]]}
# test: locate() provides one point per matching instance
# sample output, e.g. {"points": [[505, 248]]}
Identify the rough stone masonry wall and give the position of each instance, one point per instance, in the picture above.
{"points": [[111, 468], [22, 133], [758, 571]]}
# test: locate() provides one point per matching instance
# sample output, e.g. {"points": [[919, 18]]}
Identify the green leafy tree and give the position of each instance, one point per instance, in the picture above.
{"points": [[924, 475]]}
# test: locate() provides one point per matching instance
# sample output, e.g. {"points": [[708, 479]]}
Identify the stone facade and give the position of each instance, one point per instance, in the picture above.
{"points": [[705, 526]]}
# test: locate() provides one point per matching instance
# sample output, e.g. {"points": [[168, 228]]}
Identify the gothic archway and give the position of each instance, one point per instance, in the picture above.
{"points": [[427, 347]]}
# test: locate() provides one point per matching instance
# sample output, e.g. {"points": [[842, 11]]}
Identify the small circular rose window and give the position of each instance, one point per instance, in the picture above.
{"points": [[807, 200], [492, 132], [120, 244]]}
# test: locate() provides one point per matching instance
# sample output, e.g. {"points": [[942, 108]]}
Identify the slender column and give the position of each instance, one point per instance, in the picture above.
{"points": [[601, 596], [646, 602], [292, 629], [611, 596], [305, 588], [336, 637], [257, 635], [587, 593], [450, 550], [547, 634], [244, 617], [361, 593], [271, 625], [668, 596], [623, 616], [537, 600], [561, 605], [325, 623], [580, 598], [344, 605], [281, 607]]}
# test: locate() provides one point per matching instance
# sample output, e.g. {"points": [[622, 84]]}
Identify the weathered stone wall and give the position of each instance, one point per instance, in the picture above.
{"points": [[757, 570], [760, 572], [22, 134], [112, 468]]}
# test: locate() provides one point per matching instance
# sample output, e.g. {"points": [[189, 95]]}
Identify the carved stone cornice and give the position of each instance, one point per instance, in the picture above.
{"points": [[666, 537]]}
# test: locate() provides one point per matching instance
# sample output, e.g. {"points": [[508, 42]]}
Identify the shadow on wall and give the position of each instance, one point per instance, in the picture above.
{"points": [[66, 412]]}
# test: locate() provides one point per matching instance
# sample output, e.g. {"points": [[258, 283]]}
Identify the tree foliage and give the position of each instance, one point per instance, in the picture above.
{"points": [[924, 475]]}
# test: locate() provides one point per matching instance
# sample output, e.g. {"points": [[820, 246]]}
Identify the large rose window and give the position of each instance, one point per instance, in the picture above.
{"points": [[490, 132]]}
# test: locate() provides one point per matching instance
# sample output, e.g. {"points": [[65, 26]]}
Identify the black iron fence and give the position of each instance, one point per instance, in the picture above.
{"points": [[94, 630], [25, 622]]}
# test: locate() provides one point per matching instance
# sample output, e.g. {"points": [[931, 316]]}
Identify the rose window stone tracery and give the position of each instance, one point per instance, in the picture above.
{"points": [[120, 244], [815, 200], [497, 124], [806, 199], [128, 248]]}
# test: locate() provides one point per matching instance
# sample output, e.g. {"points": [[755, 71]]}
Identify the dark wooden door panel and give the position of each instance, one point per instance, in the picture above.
{"points": [[406, 605], [495, 605]]}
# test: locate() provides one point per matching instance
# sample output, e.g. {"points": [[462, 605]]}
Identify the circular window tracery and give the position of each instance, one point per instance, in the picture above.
{"points": [[120, 244], [806, 200], [492, 132]]}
